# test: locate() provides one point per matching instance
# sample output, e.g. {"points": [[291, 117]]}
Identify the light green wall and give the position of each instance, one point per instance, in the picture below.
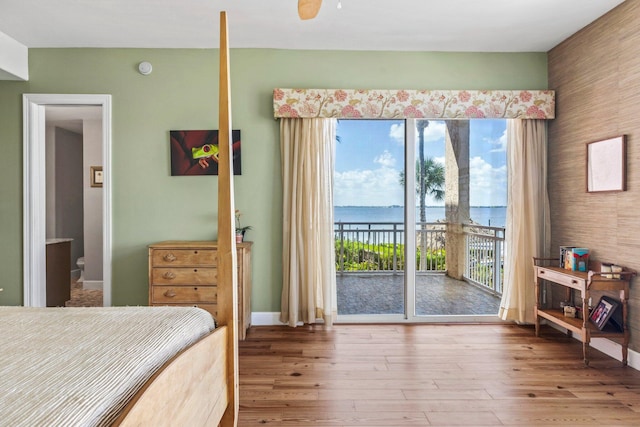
{"points": [[148, 204]]}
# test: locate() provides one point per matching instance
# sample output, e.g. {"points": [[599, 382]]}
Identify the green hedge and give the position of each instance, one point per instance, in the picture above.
{"points": [[358, 256]]}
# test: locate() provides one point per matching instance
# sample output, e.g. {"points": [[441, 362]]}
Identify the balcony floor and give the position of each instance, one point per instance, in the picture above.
{"points": [[437, 295]]}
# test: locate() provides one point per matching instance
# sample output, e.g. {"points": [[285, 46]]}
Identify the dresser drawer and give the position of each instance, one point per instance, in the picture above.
{"points": [[184, 276], [184, 257], [183, 294], [560, 278]]}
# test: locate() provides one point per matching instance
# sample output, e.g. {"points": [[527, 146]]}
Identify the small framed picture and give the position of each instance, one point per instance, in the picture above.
{"points": [[606, 165], [97, 178], [602, 312]]}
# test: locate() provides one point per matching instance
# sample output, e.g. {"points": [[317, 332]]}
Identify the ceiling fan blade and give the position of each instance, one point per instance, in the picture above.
{"points": [[308, 9]]}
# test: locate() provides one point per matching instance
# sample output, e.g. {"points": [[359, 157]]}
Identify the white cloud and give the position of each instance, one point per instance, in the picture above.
{"points": [[436, 131], [374, 187], [396, 132], [381, 186], [385, 159], [488, 184], [500, 144]]}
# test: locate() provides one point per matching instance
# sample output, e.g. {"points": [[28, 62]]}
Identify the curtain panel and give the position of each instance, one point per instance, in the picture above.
{"points": [[528, 216], [308, 262], [413, 104]]}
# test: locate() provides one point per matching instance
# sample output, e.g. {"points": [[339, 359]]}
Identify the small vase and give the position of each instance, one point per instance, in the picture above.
{"points": [[239, 238]]}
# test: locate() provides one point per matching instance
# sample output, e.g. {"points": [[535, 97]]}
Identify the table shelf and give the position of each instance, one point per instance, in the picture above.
{"points": [[584, 283]]}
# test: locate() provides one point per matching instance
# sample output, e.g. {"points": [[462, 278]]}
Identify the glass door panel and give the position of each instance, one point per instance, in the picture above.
{"points": [[369, 220]]}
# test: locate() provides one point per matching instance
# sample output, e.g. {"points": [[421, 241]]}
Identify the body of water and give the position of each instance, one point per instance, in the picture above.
{"points": [[494, 216]]}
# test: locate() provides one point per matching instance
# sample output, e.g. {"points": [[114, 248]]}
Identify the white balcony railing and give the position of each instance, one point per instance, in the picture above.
{"points": [[379, 247], [362, 247], [484, 264]]}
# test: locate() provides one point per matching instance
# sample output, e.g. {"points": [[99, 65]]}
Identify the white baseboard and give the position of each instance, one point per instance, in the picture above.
{"points": [[92, 284], [610, 348], [614, 350], [265, 318]]}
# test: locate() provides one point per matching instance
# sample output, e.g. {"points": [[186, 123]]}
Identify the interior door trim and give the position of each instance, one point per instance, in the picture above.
{"points": [[34, 191]]}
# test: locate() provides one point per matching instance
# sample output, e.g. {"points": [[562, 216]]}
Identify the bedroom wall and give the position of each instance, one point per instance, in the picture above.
{"points": [[596, 75], [148, 204]]}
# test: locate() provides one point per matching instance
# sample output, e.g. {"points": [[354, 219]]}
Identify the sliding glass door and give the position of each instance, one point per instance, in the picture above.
{"points": [[419, 210], [369, 212]]}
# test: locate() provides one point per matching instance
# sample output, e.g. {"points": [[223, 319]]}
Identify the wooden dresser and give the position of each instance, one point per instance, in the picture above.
{"points": [[185, 273]]}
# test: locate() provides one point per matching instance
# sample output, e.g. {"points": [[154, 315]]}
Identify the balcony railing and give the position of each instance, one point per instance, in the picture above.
{"points": [[484, 264], [379, 247]]}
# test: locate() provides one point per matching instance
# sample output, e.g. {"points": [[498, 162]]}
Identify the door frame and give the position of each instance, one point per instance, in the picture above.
{"points": [[410, 235], [34, 191]]}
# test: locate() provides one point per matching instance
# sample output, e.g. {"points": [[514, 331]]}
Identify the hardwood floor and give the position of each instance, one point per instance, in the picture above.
{"points": [[422, 375]]}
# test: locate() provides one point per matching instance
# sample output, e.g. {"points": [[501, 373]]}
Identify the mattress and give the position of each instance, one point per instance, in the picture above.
{"points": [[80, 366]]}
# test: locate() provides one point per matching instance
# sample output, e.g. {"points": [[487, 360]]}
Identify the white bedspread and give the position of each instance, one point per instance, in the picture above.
{"points": [[80, 366]]}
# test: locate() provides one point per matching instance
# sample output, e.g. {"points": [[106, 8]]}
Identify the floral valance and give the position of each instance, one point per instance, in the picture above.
{"points": [[414, 104]]}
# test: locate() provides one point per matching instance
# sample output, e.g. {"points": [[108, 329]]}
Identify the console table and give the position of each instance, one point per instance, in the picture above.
{"points": [[585, 283]]}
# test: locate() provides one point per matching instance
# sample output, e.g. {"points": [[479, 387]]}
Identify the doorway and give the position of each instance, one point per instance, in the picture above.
{"points": [[390, 179], [36, 109]]}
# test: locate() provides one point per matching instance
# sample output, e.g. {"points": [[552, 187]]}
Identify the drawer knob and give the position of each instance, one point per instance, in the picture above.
{"points": [[170, 257], [169, 275], [170, 293]]}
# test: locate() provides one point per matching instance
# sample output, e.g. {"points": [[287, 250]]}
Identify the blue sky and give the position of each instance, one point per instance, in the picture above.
{"points": [[370, 156]]}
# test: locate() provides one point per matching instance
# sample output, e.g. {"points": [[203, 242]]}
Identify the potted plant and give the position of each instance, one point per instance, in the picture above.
{"points": [[239, 229]]}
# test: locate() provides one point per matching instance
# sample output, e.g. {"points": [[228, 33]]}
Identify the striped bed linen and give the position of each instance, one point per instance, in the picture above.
{"points": [[80, 366]]}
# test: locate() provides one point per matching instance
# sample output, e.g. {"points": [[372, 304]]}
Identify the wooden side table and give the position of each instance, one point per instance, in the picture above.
{"points": [[585, 283]]}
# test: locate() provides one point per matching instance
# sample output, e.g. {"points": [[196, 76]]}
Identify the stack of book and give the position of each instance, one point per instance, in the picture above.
{"points": [[574, 258]]}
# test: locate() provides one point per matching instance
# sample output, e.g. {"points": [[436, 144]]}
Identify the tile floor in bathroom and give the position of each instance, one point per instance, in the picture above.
{"points": [[84, 297]]}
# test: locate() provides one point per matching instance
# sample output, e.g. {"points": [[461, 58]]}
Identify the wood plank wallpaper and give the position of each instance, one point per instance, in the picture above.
{"points": [[596, 76]]}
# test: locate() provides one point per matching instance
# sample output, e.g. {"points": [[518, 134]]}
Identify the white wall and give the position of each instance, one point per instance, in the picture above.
{"points": [[14, 60], [92, 131], [50, 176]]}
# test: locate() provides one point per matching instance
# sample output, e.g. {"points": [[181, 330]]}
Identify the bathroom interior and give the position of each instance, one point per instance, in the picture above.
{"points": [[73, 142]]}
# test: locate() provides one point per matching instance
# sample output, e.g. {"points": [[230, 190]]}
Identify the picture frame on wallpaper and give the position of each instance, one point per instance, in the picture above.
{"points": [[96, 176], [606, 165], [195, 152]]}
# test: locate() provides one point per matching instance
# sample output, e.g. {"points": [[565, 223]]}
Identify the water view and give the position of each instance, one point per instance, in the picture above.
{"points": [[494, 216]]}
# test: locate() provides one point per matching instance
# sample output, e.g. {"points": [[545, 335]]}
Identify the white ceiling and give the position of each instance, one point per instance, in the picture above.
{"points": [[415, 25], [70, 117]]}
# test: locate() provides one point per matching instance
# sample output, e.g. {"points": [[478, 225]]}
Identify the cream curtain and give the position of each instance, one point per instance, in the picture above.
{"points": [[528, 219], [307, 152]]}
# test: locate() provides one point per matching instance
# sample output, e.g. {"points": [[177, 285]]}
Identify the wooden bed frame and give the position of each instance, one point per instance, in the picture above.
{"points": [[199, 386]]}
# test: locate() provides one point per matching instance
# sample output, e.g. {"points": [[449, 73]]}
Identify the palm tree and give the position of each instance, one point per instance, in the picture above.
{"points": [[429, 174], [432, 182], [421, 125], [429, 180]]}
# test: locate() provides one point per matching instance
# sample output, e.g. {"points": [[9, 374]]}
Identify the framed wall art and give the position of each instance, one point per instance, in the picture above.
{"points": [[606, 165], [195, 152], [96, 176]]}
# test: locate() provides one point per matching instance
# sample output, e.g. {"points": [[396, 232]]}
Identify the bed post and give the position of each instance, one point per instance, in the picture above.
{"points": [[227, 262]]}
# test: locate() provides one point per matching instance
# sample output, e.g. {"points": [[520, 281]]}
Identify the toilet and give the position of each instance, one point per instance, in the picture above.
{"points": [[80, 264]]}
